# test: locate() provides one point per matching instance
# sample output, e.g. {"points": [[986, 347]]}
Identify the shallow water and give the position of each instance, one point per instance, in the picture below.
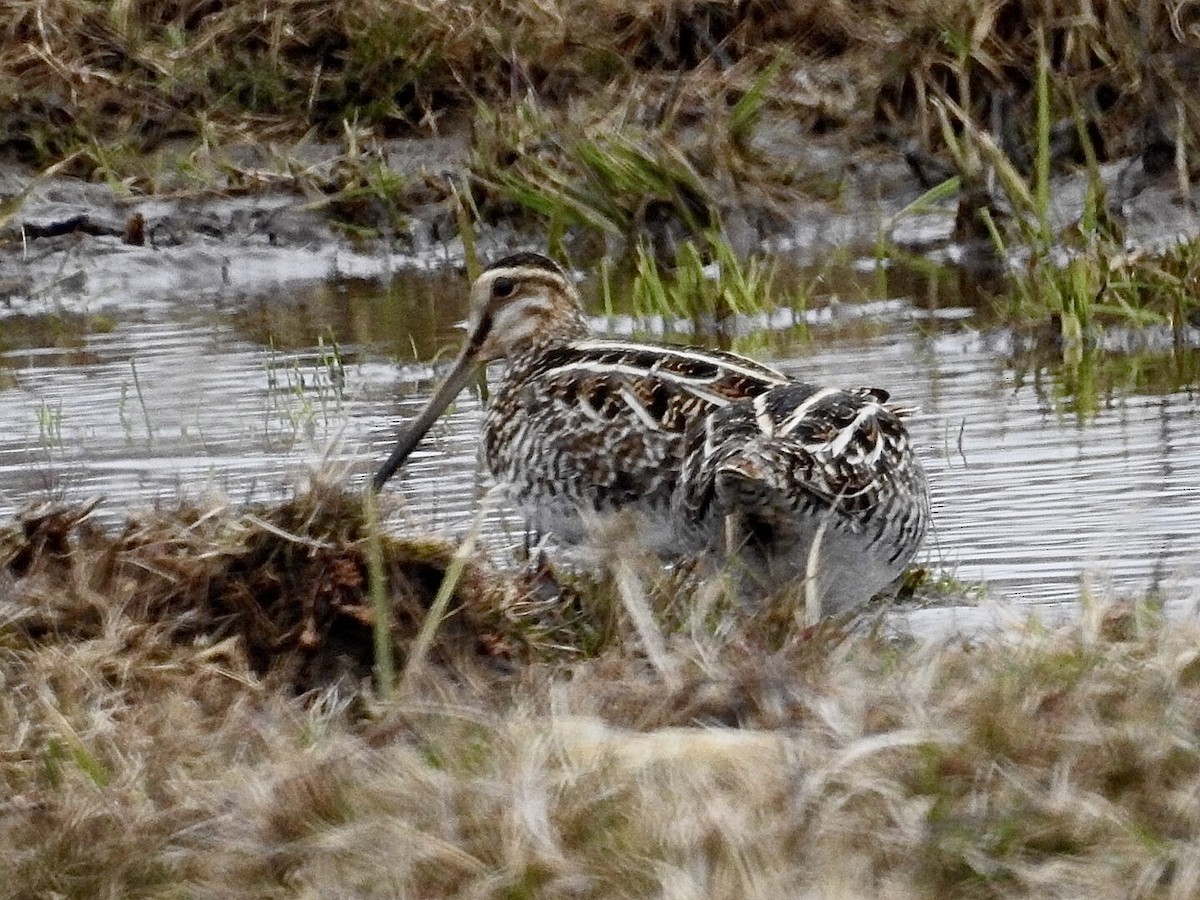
{"points": [[1042, 473]]}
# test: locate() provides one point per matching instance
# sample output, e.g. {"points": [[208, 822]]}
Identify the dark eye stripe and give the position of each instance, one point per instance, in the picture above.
{"points": [[480, 334]]}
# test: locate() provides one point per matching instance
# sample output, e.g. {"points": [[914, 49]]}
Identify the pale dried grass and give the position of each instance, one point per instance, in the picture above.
{"points": [[148, 755]]}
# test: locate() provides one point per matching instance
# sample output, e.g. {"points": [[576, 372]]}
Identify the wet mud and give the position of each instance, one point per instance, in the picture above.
{"points": [[69, 246]]}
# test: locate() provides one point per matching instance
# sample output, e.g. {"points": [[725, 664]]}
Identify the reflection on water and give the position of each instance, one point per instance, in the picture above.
{"points": [[1039, 471], [1097, 379]]}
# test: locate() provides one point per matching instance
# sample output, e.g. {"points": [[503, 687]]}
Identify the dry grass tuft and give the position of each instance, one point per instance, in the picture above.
{"points": [[283, 588], [155, 744]]}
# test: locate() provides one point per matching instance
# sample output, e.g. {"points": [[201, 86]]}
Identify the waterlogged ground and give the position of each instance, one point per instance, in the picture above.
{"points": [[1044, 472]]}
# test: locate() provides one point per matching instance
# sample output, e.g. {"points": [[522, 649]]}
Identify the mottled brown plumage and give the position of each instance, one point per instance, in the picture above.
{"points": [[700, 446]]}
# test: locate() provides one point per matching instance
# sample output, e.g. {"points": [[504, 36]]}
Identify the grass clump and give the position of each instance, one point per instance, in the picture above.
{"points": [[602, 175], [1081, 294], [287, 584], [150, 71], [151, 753], [297, 587], [709, 284], [634, 163], [1077, 273]]}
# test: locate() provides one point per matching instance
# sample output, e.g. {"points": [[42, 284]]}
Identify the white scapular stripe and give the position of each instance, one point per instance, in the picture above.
{"points": [[747, 368], [838, 445], [765, 423], [796, 416], [639, 410]]}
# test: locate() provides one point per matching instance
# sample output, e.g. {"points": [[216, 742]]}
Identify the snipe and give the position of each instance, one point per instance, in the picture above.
{"points": [[709, 451]]}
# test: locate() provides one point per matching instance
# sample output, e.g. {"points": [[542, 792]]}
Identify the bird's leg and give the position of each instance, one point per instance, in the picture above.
{"points": [[812, 595], [746, 564], [735, 535], [533, 550], [536, 572]]}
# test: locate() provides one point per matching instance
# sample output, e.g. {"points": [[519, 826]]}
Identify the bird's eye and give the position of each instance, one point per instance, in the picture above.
{"points": [[503, 287]]}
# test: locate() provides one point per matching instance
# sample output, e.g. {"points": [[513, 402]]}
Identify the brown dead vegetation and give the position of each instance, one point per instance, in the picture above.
{"points": [[285, 587], [76, 74], [660, 122]]}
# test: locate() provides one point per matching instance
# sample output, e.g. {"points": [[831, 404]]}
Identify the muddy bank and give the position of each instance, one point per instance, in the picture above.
{"points": [[70, 245], [253, 148]]}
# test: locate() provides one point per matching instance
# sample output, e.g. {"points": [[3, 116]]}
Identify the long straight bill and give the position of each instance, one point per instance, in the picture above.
{"points": [[457, 378]]}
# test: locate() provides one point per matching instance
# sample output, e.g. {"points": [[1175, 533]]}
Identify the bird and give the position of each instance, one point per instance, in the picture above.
{"points": [[707, 453]]}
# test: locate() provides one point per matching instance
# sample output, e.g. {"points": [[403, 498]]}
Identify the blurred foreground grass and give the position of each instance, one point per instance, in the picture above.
{"points": [[187, 712]]}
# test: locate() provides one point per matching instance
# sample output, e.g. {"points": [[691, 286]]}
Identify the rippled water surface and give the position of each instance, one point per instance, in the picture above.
{"points": [[1042, 472]]}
